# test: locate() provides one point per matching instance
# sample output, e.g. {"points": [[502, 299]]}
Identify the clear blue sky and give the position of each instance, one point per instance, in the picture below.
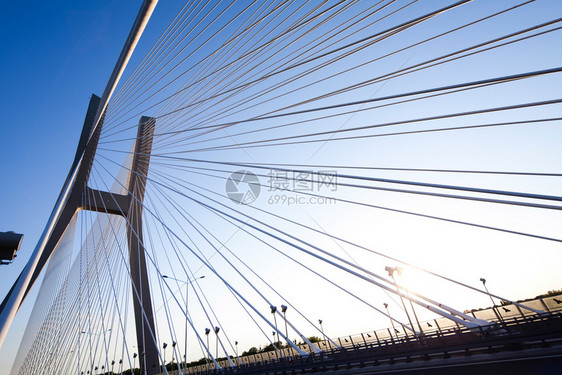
{"points": [[54, 56]]}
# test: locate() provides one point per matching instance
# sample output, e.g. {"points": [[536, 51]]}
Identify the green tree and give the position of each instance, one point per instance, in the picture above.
{"points": [[252, 350]]}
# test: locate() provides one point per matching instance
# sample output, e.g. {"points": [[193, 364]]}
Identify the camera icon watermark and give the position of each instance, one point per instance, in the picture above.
{"points": [[243, 187], [288, 188]]}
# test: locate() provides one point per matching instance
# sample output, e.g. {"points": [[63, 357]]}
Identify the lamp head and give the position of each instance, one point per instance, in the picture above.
{"points": [[390, 270]]}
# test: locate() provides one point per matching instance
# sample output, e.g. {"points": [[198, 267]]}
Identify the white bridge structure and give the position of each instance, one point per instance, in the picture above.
{"points": [[284, 174]]}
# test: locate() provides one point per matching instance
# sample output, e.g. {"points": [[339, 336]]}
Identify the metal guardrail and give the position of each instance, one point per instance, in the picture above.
{"points": [[439, 333], [444, 343]]}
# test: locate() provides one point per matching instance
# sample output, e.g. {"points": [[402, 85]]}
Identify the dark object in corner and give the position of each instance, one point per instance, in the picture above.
{"points": [[9, 243]]}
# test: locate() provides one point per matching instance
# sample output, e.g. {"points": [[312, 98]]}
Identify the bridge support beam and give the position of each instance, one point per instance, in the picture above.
{"points": [[136, 187], [129, 205]]}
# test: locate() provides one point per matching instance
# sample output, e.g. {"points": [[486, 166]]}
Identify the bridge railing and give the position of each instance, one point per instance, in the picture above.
{"points": [[444, 344], [511, 316]]}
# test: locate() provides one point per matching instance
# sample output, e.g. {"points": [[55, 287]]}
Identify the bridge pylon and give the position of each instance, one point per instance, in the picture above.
{"points": [[128, 205]]}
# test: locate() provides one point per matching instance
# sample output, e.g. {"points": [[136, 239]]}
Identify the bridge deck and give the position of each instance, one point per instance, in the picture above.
{"points": [[519, 343]]}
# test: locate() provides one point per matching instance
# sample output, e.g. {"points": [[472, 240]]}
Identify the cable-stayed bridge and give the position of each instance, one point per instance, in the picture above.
{"points": [[266, 178]]}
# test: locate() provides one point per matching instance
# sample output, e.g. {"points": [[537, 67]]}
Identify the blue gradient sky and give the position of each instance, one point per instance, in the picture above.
{"points": [[54, 56]]}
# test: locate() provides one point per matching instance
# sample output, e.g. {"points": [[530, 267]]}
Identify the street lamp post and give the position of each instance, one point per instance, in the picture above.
{"points": [[391, 321], [207, 331], [391, 271], [134, 361], [284, 311], [483, 280], [273, 311], [97, 333], [217, 329], [164, 346], [274, 344], [400, 270], [187, 283], [322, 329]]}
